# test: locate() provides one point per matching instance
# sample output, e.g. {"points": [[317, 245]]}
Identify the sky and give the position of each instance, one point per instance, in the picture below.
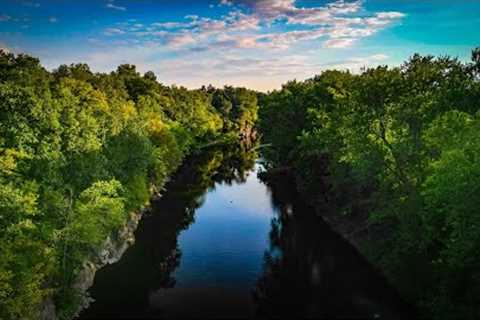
{"points": [[258, 44]]}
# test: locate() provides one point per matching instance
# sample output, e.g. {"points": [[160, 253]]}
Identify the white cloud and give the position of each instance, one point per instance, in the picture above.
{"points": [[53, 20], [206, 26], [339, 43], [286, 9], [179, 40], [261, 71], [169, 25], [338, 24], [226, 3], [111, 5], [113, 31], [356, 64], [258, 43], [342, 7], [192, 17], [379, 57], [390, 15], [241, 22]]}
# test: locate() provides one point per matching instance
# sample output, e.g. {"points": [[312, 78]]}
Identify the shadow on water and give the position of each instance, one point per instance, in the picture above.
{"points": [[312, 272], [124, 289], [308, 270]]}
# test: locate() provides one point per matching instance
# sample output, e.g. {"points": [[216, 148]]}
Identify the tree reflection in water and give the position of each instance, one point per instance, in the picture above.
{"points": [[310, 271], [123, 290]]}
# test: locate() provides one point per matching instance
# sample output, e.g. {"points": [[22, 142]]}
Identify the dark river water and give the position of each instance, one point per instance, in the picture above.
{"points": [[220, 243]]}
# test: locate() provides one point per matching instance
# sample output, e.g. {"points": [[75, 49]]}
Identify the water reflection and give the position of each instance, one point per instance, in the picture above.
{"points": [[135, 286], [312, 272], [252, 251]]}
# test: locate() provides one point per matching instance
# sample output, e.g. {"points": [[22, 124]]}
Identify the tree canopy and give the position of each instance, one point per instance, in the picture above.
{"points": [[79, 151], [401, 144]]}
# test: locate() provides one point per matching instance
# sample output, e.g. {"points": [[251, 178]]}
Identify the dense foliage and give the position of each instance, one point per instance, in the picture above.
{"points": [[403, 145], [79, 151]]}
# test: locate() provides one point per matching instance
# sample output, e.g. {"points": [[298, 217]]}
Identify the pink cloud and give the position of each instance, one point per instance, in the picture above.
{"points": [[248, 25]]}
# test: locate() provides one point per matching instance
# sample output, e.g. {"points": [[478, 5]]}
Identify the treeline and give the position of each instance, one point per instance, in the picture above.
{"points": [[401, 144], [80, 151]]}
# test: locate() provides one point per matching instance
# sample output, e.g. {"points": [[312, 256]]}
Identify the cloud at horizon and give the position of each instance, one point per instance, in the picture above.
{"points": [[258, 44]]}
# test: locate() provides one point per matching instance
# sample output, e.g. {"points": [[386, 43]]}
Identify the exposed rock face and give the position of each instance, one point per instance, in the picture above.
{"points": [[114, 249], [111, 252]]}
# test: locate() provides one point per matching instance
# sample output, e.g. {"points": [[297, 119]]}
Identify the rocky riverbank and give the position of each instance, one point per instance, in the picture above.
{"points": [[111, 252]]}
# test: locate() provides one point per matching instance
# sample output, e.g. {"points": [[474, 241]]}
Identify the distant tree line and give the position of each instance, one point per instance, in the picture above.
{"points": [[402, 144], [79, 152]]}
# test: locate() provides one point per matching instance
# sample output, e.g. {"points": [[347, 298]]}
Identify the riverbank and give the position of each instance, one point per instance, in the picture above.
{"points": [[354, 227], [112, 250], [115, 244]]}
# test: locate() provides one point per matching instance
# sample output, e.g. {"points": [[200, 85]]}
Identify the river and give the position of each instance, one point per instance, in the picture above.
{"points": [[222, 244]]}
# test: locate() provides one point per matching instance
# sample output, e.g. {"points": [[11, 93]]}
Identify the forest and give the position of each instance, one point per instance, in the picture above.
{"points": [[80, 152], [395, 150]]}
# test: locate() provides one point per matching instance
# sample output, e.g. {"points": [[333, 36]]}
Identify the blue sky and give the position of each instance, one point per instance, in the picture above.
{"points": [[254, 43]]}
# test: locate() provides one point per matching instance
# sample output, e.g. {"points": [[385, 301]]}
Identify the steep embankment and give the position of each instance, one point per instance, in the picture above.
{"points": [[389, 158]]}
